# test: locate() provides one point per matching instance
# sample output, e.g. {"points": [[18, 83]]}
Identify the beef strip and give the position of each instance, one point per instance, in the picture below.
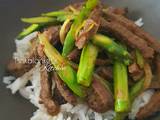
{"points": [[157, 62], [40, 52], [117, 11], [58, 97], [18, 68], [52, 34], [105, 72], [135, 72], [90, 28], [130, 25], [101, 62], [123, 34], [74, 55], [150, 108], [46, 93], [73, 65], [155, 84], [99, 98], [64, 90]]}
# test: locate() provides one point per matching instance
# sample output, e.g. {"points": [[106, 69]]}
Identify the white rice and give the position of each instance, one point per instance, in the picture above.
{"points": [[21, 81], [68, 111], [139, 102], [8, 79], [22, 46]]}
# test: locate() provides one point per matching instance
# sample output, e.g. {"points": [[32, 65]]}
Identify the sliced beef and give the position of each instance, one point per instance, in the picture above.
{"points": [[73, 65], [150, 108], [101, 62], [18, 68], [90, 28], [135, 72], [52, 34], [46, 93], [130, 25], [123, 34], [64, 90], [58, 97], [157, 62], [148, 75], [99, 98], [105, 72], [156, 81], [155, 84], [74, 55], [117, 11], [40, 52]]}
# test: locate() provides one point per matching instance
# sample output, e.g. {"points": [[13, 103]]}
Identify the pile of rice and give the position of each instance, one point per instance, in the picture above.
{"points": [[68, 111]]}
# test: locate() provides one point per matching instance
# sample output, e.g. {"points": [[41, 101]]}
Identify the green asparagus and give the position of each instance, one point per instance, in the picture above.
{"points": [[61, 15], [69, 41], [111, 47], [140, 59], [86, 65], [28, 30], [66, 72], [120, 87], [39, 20], [136, 89], [139, 86], [56, 13]]}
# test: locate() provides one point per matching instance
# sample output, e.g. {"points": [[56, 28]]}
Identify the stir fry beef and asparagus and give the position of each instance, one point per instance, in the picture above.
{"points": [[99, 56]]}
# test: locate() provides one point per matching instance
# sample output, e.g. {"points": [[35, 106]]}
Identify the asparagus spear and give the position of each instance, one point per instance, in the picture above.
{"points": [[32, 28], [60, 15], [140, 59], [120, 87], [136, 89], [86, 65], [56, 13], [69, 41], [111, 47], [38, 23], [139, 86], [28, 30], [39, 20], [66, 72]]}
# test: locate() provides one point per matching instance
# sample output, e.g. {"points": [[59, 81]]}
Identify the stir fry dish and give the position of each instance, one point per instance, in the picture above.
{"points": [[91, 55]]}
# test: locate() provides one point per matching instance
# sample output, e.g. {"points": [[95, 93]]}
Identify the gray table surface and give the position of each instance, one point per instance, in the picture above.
{"points": [[17, 108]]}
